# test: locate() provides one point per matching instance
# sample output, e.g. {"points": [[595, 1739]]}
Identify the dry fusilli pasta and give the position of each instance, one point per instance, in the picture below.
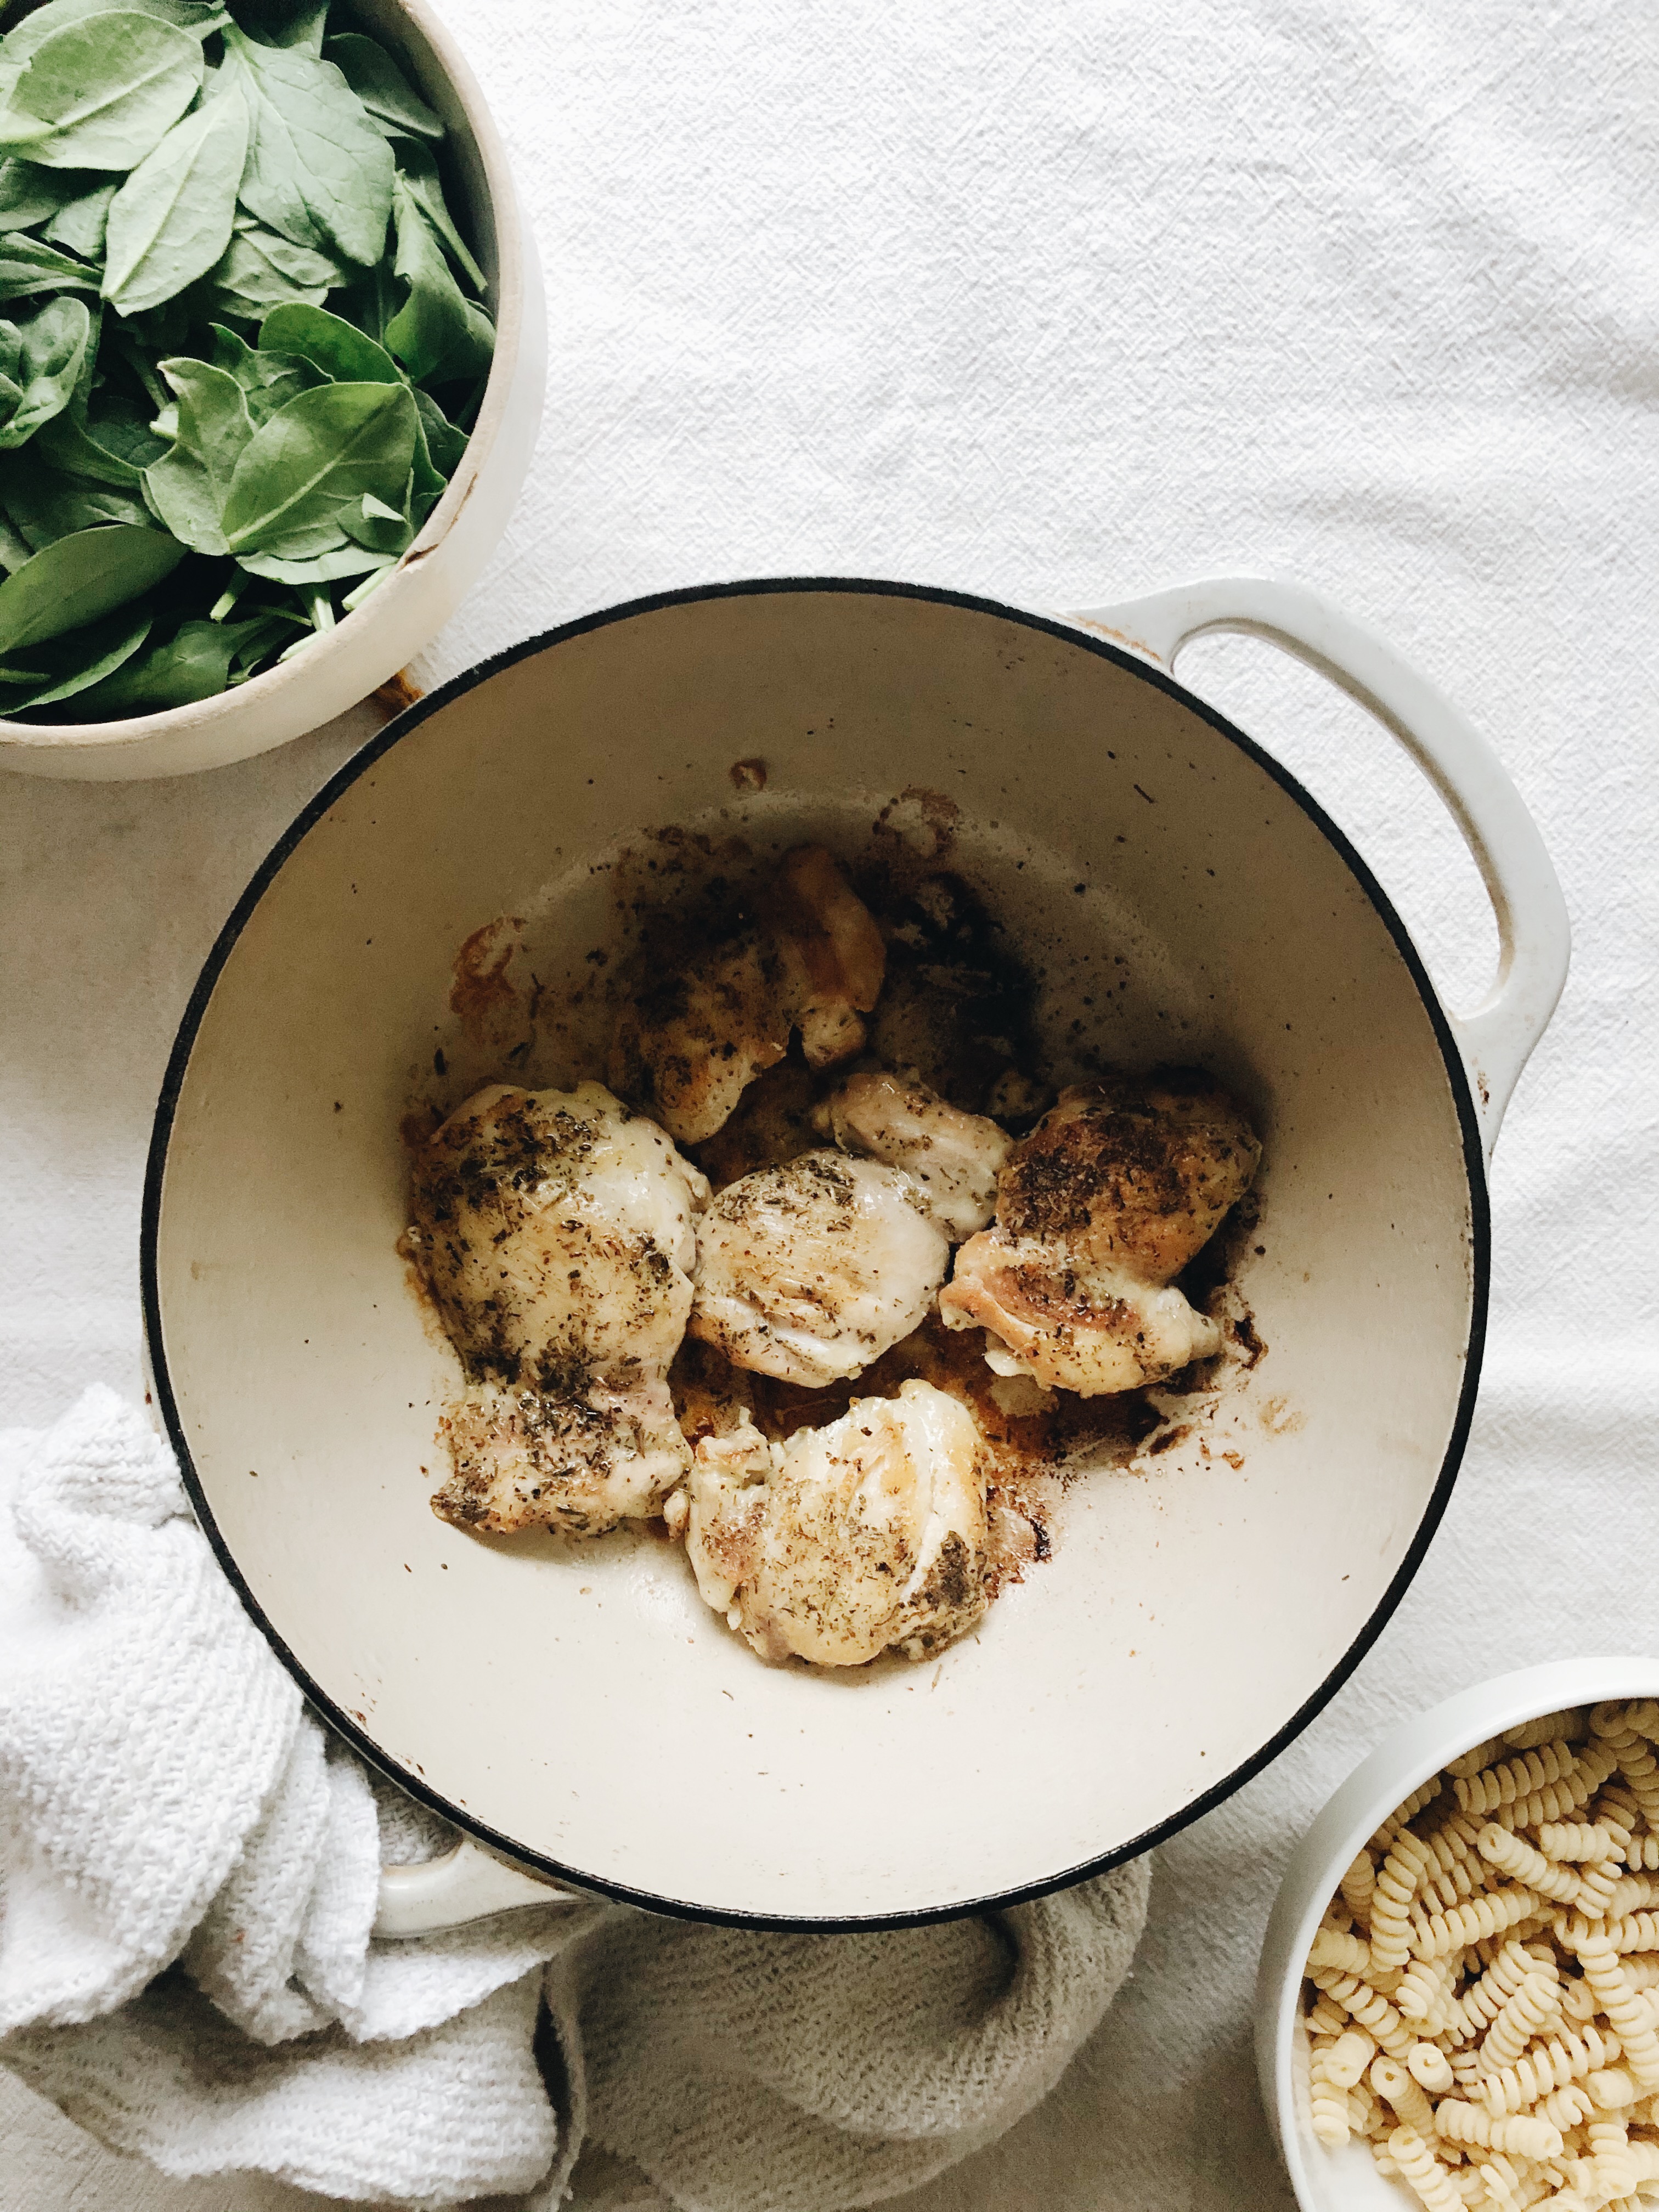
{"points": [[1516, 1778], [1574, 1840], [1483, 1992]]}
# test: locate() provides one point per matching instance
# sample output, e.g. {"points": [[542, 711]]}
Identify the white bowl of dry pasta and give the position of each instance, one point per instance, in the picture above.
{"points": [[1459, 1993], [272, 354]]}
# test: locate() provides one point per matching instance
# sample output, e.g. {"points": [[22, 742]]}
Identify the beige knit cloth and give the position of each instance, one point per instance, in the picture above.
{"points": [[190, 1867]]}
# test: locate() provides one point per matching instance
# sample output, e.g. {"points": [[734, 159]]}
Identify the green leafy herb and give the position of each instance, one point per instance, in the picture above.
{"points": [[76, 579], [444, 444], [171, 221], [289, 23], [44, 504], [420, 181], [324, 448], [75, 664], [193, 664], [99, 94], [189, 487], [381, 85], [43, 358], [375, 527], [317, 170], [121, 427], [79, 225], [321, 568], [262, 270], [68, 443], [237, 275], [329, 344], [26, 265], [15, 547], [29, 195], [196, 15], [269, 379], [436, 332]]}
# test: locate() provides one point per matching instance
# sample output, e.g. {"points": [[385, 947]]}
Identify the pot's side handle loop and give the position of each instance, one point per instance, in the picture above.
{"points": [[465, 1884], [1533, 940]]}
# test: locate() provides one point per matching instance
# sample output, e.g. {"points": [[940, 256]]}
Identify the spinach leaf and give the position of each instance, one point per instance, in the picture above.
{"points": [[68, 443], [322, 569], [15, 547], [189, 487], [99, 94], [261, 270], [193, 664], [268, 379], [26, 265], [426, 485], [124, 345], [29, 195], [121, 428], [337, 350], [444, 444], [78, 662], [199, 16], [317, 170], [384, 531], [386, 92], [420, 174], [79, 225], [436, 332], [44, 504], [76, 579], [171, 221], [285, 23], [371, 302], [324, 448], [256, 639], [51, 348]]}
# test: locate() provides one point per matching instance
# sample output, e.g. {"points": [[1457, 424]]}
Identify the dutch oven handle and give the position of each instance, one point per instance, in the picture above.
{"points": [[1533, 935], [467, 1883]]}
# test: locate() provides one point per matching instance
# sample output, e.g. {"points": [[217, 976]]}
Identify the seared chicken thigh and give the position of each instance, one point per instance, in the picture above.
{"points": [[697, 1036], [831, 950], [865, 1536], [1107, 1200], [954, 1157], [811, 1270], [556, 1232], [579, 1460], [1139, 1172], [1072, 1325], [703, 1028]]}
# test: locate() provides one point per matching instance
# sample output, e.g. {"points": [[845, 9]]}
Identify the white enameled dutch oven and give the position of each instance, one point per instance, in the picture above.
{"points": [[580, 1712], [457, 539]]}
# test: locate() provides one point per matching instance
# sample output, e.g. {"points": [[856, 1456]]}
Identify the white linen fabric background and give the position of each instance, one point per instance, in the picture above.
{"points": [[1055, 304]]}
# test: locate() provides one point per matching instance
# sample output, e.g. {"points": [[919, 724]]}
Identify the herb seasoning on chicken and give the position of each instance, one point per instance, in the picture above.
{"points": [[811, 1270], [845, 1066], [1097, 1211], [702, 1029], [850, 1540], [554, 1230]]}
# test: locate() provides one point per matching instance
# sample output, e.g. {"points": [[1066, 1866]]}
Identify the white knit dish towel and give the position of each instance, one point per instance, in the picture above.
{"points": [[189, 1864]]}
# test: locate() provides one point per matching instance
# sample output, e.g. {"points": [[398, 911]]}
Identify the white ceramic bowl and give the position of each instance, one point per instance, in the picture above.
{"points": [[1347, 2180], [587, 1713], [408, 610]]}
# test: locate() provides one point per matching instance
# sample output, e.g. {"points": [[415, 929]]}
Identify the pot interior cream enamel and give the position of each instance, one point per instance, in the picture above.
{"points": [[1179, 897]]}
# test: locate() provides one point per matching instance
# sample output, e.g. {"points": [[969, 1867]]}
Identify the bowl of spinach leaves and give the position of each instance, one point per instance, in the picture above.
{"points": [[272, 353]]}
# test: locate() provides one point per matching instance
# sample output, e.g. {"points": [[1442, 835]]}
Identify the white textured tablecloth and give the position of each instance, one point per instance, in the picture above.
{"points": [[1053, 304]]}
